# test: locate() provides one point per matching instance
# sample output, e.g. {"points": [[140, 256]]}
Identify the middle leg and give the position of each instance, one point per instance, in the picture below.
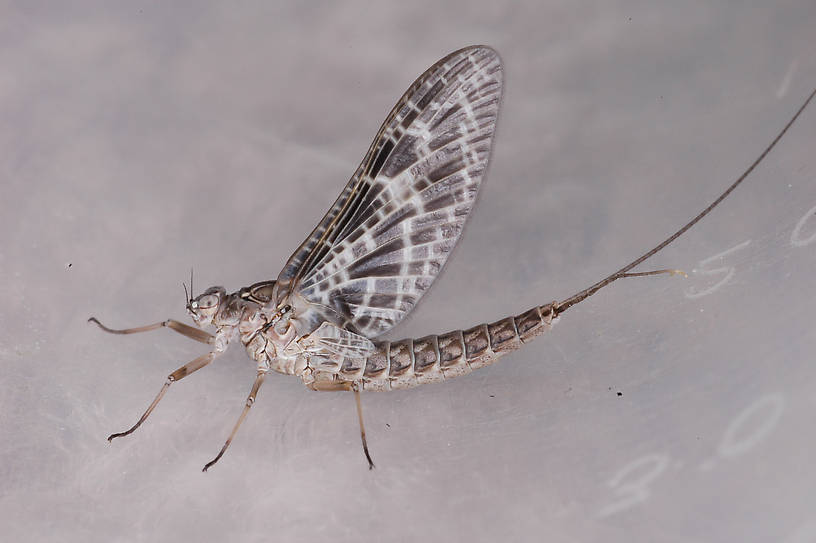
{"points": [[177, 375], [250, 400]]}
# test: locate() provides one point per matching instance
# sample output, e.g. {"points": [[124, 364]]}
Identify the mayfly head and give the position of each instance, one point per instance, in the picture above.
{"points": [[204, 307]]}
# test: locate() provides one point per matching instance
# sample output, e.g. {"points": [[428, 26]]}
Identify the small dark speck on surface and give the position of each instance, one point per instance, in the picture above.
{"points": [[492, 396], [69, 264], [620, 393], [388, 425]]}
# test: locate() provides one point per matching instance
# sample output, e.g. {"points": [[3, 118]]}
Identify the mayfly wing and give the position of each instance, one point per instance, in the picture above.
{"points": [[333, 339], [329, 345], [389, 233]]}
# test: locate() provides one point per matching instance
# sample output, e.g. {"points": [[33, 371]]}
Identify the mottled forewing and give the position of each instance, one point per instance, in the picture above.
{"points": [[391, 230]]}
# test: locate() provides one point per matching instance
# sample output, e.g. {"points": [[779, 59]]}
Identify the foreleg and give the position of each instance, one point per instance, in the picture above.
{"points": [[183, 329]]}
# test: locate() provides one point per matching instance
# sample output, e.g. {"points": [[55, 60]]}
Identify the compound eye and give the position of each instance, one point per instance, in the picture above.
{"points": [[206, 302]]}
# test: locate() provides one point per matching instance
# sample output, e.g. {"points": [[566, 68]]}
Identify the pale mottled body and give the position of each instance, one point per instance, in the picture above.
{"points": [[392, 365]]}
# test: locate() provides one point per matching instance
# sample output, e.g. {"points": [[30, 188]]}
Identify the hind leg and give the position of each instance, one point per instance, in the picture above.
{"points": [[331, 386]]}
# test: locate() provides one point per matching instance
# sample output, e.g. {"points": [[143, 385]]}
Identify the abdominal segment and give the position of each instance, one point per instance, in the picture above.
{"points": [[412, 362]]}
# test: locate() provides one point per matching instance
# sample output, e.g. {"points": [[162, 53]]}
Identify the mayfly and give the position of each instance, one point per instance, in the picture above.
{"points": [[377, 250]]}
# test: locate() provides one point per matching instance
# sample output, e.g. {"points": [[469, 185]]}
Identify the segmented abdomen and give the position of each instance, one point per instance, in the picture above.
{"points": [[411, 362]]}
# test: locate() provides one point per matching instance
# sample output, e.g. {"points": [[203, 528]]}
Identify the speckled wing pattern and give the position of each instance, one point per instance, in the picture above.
{"points": [[389, 233]]}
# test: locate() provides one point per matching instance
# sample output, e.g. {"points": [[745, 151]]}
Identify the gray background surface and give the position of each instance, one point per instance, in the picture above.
{"points": [[139, 140]]}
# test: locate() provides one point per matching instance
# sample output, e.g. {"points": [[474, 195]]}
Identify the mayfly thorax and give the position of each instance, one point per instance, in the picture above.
{"points": [[377, 251]]}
